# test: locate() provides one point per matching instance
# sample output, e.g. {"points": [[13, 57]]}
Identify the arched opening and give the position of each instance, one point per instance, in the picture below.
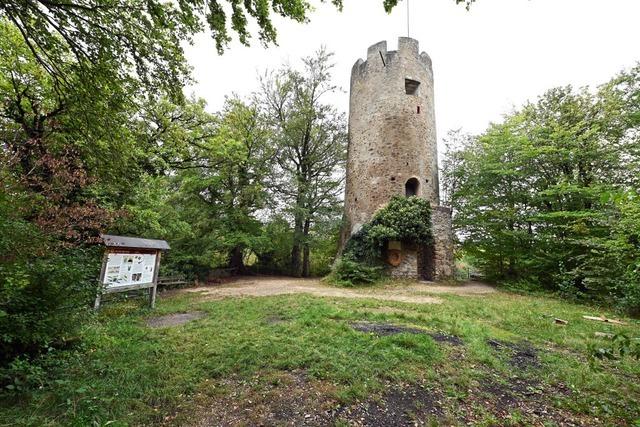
{"points": [[411, 187]]}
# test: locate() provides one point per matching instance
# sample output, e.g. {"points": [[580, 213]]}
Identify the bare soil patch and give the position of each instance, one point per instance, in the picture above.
{"points": [[280, 399], [275, 319], [399, 405], [294, 399], [469, 288], [527, 396], [384, 329], [521, 355], [174, 319], [415, 292]]}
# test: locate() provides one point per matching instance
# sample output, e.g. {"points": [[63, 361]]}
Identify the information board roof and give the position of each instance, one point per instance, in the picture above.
{"points": [[133, 242]]}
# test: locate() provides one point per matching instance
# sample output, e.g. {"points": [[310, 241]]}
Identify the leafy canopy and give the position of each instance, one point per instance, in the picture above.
{"points": [[548, 196]]}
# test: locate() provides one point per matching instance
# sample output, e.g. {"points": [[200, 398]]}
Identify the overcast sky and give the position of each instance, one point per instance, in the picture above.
{"points": [[486, 61]]}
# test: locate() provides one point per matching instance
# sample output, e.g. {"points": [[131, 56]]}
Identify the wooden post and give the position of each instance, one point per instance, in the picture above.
{"points": [[105, 257], [153, 290]]}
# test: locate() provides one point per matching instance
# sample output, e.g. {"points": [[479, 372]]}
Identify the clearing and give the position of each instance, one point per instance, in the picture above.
{"points": [[410, 292], [279, 351]]}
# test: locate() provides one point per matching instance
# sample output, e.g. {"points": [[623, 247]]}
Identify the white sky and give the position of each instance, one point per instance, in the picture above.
{"points": [[486, 61]]}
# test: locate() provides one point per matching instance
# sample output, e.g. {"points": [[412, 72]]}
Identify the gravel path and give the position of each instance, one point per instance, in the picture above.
{"points": [[418, 292]]}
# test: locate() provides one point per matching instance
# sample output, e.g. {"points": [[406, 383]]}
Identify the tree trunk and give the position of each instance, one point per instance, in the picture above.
{"points": [[236, 259], [305, 253], [296, 261]]}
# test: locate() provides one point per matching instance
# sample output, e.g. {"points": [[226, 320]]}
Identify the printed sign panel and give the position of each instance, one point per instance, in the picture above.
{"points": [[129, 269]]}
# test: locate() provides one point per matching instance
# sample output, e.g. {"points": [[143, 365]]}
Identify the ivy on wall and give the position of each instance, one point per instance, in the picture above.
{"points": [[405, 219]]}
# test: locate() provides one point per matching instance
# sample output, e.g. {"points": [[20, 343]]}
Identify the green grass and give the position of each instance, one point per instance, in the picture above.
{"points": [[127, 374]]}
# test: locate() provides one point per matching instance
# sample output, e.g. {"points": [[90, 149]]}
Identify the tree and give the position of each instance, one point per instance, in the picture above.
{"points": [[455, 144], [139, 36], [310, 136], [58, 145], [533, 195], [220, 164]]}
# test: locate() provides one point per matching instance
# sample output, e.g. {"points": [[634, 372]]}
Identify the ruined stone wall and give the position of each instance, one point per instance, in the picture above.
{"points": [[443, 242]]}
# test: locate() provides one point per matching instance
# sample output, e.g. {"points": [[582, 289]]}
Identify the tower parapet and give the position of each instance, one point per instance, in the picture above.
{"points": [[392, 133]]}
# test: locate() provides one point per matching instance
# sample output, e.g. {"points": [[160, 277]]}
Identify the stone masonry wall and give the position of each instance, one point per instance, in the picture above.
{"points": [[389, 140], [408, 267], [443, 242]]}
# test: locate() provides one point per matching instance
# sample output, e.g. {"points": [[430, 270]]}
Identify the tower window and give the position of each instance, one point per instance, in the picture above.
{"points": [[411, 187], [411, 86], [418, 109]]}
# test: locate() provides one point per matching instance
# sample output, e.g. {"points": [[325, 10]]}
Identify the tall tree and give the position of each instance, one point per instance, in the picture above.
{"points": [[143, 37], [532, 195], [58, 145], [311, 147], [220, 174]]}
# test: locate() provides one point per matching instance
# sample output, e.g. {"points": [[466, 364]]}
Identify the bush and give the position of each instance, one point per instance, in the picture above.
{"points": [[630, 299], [348, 272], [45, 290], [406, 219], [43, 301]]}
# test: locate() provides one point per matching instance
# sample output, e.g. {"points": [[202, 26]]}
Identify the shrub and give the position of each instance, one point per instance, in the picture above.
{"points": [[45, 289], [43, 301], [630, 299], [406, 219], [348, 272]]}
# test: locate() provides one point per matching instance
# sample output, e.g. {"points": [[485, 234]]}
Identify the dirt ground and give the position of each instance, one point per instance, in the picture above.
{"points": [[174, 319], [417, 292]]}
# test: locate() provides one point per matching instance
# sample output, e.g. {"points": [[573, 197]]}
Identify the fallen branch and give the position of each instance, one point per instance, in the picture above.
{"points": [[604, 319]]}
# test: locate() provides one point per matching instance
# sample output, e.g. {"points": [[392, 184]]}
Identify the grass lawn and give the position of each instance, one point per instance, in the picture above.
{"points": [[496, 359]]}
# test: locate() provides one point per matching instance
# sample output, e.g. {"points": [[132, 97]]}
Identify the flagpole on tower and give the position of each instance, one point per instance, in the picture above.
{"points": [[408, 34]]}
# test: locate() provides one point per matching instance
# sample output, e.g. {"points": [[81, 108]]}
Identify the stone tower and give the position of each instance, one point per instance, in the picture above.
{"points": [[393, 151]]}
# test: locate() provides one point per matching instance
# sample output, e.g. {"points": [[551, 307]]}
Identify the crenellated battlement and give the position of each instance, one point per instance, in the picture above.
{"points": [[377, 54]]}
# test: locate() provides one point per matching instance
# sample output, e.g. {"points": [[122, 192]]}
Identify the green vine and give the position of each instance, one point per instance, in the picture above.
{"points": [[405, 219]]}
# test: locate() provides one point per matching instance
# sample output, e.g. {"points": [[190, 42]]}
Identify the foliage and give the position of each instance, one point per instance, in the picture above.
{"points": [[621, 346], [310, 149], [406, 219], [275, 257], [137, 38], [45, 288], [348, 272], [548, 195], [390, 4], [57, 188], [324, 247], [222, 188]]}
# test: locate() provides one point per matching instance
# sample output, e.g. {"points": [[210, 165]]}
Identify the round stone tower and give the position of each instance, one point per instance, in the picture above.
{"points": [[393, 151]]}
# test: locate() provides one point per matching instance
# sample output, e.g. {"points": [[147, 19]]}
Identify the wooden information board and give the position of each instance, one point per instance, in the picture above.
{"points": [[130, 263]]}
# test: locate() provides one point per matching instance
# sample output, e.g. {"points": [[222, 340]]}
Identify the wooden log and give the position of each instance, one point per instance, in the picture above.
{"points": [[604, 319]]}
